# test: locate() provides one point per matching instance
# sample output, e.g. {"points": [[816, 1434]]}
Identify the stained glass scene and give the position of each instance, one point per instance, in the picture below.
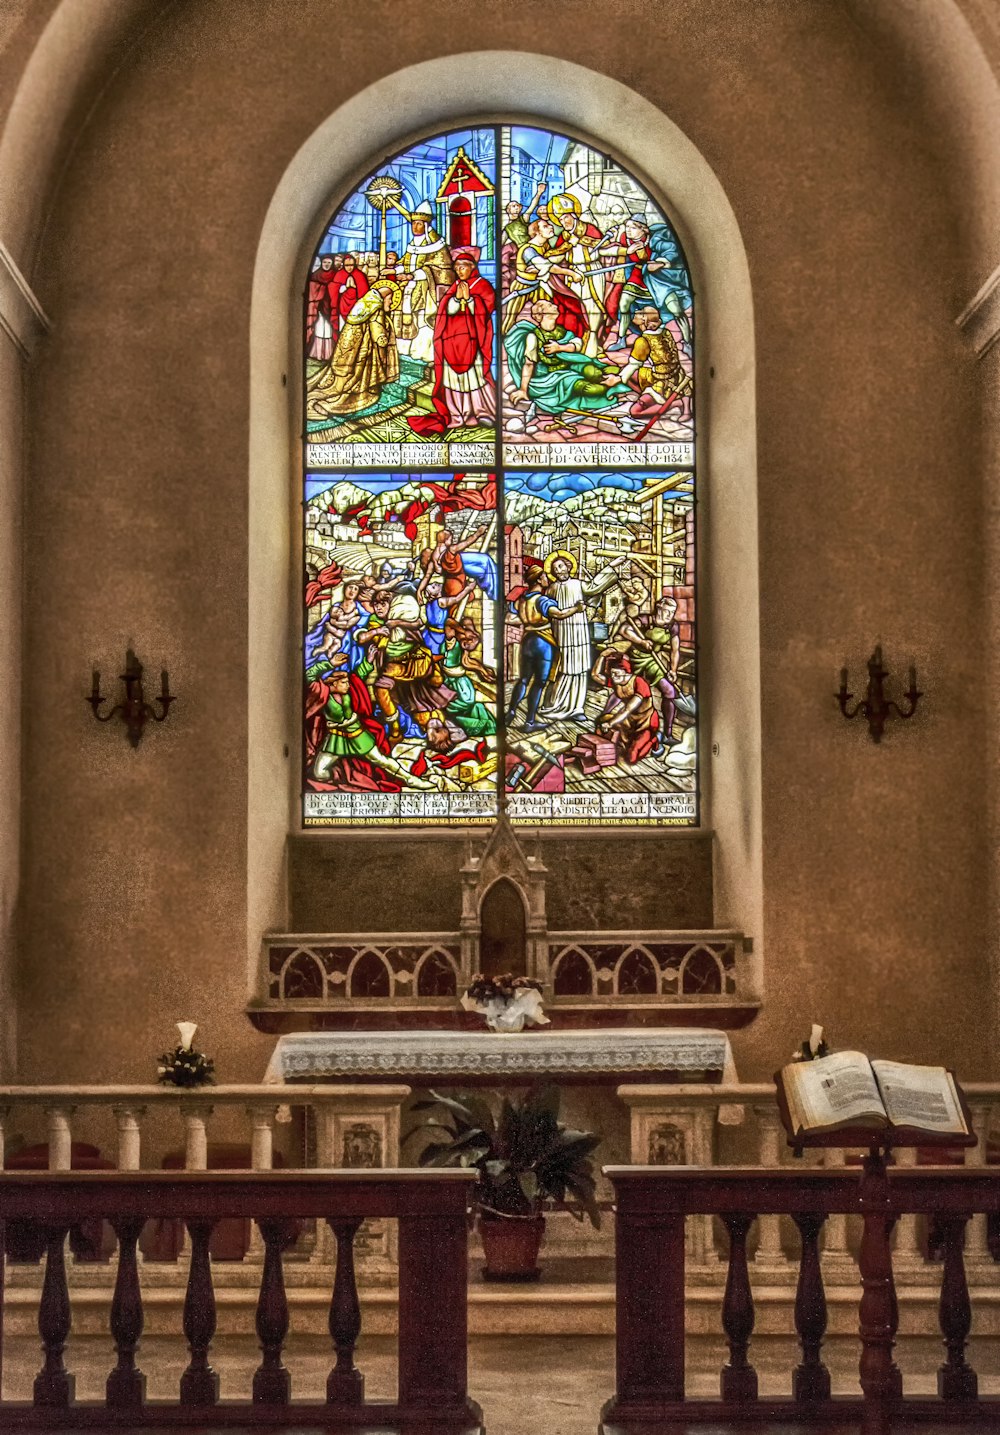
{"points": [[402, 593], [596, 329], [499, 493], [599, 647], [399, 330]]}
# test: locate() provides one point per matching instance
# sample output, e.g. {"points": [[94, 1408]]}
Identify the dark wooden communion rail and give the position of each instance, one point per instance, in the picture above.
{"points": [[652, 1205], [431, 1210]]}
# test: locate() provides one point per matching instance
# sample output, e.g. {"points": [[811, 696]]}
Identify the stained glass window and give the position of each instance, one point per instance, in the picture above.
{"points": [[499, 494]]}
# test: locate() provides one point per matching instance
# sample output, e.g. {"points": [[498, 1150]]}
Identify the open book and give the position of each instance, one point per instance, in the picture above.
{"points": [[846, 1090]]}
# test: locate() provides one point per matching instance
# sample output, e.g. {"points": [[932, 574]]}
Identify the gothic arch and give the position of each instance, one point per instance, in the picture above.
{"points": [[390, 113]]}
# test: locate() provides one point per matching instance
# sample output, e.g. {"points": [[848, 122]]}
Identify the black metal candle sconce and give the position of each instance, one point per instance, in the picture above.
{"points": [[134, 711], [875, 707]]}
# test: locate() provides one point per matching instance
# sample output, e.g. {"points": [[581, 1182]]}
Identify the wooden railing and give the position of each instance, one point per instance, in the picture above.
{"points": [[431, 1209], [653, 1204]]}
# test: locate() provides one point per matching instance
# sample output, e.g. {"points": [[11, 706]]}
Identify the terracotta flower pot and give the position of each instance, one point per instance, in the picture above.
{"points": [[510, 1245]]}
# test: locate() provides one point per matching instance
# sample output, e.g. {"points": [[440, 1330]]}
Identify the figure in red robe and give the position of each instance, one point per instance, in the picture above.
{"points": [[319, 328], [463, 352], [348, 286]]}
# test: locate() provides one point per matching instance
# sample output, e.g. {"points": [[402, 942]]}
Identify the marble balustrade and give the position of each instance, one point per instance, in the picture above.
{"points": [[358, 1125]]}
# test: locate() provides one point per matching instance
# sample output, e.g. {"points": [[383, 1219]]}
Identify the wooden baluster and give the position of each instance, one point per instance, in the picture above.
{"points": [[126, 1385], [345, 1384], [956, 1378], [272, 1383], [739, 1379], [811, 1379], [199, 1383], [881, 1382], [54, 1386]]}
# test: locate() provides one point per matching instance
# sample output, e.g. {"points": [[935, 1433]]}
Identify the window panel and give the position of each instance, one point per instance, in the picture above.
{"points": [[400, 312], [596, 295], [402, 600], [600, 647], [499, 615]]}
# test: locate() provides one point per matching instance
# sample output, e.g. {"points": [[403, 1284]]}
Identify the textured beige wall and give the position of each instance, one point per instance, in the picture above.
{"points": [[11, 439], [870, 511]]}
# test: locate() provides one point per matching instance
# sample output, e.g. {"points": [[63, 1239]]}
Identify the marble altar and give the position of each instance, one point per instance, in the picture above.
{"points": [[691, 1054]]}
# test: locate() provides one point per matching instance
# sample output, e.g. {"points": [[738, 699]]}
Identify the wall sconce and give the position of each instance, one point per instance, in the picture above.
{"points": [[874, 706], [135, 712]]}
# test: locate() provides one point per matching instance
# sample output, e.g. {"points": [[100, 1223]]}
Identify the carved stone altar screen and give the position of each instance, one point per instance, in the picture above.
{"points": [[414, 978]]}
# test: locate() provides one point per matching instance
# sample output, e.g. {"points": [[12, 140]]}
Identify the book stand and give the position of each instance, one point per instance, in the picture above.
{"points": [[880, 1377]]}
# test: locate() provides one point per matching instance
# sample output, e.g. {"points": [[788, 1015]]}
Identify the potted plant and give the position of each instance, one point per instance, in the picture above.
{"points": [[525, 1156]]}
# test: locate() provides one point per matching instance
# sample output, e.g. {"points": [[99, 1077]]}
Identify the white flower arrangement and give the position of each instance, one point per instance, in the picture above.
{"points": [[184, 1066], [814, 1046], [508, 1003]]}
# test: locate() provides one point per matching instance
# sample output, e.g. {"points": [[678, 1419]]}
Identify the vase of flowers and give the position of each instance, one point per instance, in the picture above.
{"points": [[525, 1156], [814, 1047], [508, 1003], [184, 1066]]}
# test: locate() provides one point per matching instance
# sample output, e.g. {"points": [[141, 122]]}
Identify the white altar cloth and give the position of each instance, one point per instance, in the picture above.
{"points": [[690, 1052]]}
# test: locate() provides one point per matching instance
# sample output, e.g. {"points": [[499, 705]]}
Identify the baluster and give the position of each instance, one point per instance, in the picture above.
{"points": [[811, 1379], [261, 1159], [345, 1384], [199, 1383], [956, 1378], [881, 1382], [4, 1113], [195, 1114], [739, 1379], [126, 1385], [54, 1386], [835, 1246], [977, 1247], [262, 1136], [769, 1252], [129, 1136], [271, 1382], [907, 1250], [60, 1137]]}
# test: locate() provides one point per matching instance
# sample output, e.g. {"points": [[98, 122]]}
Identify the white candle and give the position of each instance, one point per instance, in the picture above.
{"points": [[187, 1030]]}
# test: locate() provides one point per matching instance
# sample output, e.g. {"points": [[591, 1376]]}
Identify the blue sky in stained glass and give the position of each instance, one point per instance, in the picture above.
{"points": [[419, 170]]}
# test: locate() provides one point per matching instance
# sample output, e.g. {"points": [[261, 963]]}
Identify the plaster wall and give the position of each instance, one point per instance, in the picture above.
{"points": [[10, 701], [870, 504]]}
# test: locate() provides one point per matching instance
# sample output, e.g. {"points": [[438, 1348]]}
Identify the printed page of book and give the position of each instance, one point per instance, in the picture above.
{"points": [[921, 1096], [838, 1090]]}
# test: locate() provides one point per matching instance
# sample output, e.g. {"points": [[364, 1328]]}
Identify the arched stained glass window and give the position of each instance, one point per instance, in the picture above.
{"points": [[499, 494]]}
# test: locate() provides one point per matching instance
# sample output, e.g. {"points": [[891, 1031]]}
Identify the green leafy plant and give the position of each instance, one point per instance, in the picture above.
{"points": [[523, 1153]]}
